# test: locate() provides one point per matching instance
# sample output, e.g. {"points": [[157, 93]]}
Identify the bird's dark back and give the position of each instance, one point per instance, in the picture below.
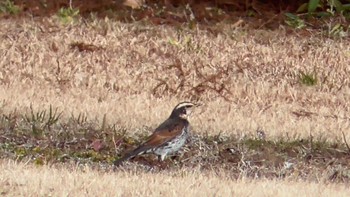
{"points": [[170, 124]]}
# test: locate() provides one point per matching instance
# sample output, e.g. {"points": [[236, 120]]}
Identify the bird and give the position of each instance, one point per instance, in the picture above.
{"points": [[168, 137]]}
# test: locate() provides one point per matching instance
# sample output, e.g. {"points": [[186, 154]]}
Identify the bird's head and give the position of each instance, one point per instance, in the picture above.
{"points": [[182, 110]]}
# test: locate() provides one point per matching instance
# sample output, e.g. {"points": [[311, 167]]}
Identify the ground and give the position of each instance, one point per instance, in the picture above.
{"points": [[78, 93]]}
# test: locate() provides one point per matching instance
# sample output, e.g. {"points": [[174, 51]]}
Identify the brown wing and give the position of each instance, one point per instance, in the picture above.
{"points": [[165, 132]]}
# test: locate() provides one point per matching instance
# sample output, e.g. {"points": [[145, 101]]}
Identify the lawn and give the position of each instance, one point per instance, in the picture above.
{"points": [[73, 97]]}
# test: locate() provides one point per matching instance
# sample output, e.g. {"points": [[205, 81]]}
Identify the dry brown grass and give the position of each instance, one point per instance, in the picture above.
{"points": [[18, 179], [135, 74]]}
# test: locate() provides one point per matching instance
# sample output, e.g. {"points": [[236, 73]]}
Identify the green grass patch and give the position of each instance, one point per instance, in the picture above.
{"points": [[8, 7]]}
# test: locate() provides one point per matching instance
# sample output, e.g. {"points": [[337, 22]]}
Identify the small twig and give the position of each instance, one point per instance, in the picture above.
{"points": [[346, 143], [70, 4], [115, 145], [311, 143]]}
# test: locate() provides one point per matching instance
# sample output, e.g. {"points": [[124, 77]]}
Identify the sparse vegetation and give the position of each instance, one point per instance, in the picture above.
{"points": [[330, 6], [294, 21], [8, 7], [308, 79], [337, 30], [67, 15]]}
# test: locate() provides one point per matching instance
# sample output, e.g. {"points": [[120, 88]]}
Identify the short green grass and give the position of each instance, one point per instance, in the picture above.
{"points": [[308, 79], [8, 7], [67, 15]]}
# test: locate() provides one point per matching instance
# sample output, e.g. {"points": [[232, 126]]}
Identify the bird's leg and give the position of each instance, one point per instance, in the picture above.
{"points": [[160, 161], [161, 164]]}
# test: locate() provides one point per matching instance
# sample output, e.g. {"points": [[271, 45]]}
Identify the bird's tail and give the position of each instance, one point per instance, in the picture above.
{"points": [[138, 151]]}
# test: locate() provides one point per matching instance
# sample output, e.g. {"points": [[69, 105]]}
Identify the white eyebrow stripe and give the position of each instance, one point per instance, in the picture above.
{"points": [[184, 104]]}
